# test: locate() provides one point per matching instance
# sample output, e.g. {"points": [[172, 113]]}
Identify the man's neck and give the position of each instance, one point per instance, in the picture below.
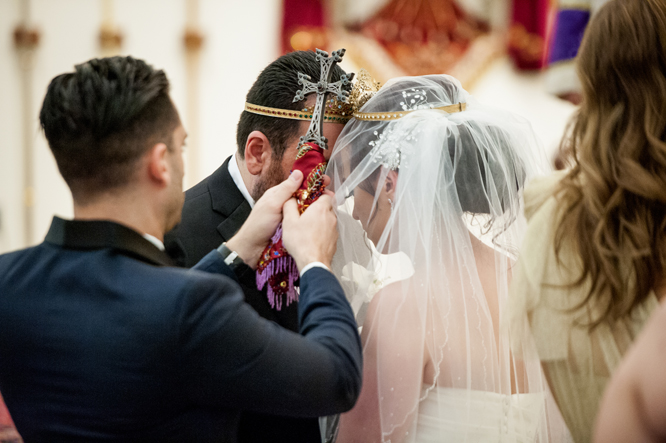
{"points": [[129, 211], [248, 179]]}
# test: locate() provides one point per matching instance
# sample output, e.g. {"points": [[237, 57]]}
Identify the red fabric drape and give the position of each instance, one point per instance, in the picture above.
{"points": [[527, 39], [276, 268], [8, 432], [303, 25], [5, 418]]}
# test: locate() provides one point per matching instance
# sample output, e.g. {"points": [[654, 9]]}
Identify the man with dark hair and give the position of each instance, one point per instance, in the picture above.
{"points": [[101, 340], [267, 137]]}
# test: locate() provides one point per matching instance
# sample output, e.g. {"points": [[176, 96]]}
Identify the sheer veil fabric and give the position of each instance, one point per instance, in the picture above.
{"points": [[430, 222]]}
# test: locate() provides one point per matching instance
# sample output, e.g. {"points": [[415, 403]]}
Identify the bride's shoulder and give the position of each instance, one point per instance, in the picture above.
{"points": [[395, 306], [391, 294], [541, 190], [396, 296]]}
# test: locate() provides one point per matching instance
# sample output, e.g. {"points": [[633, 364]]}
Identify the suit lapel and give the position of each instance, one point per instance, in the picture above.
{"points": [[227, 200], [232, 224], [100, 234]]}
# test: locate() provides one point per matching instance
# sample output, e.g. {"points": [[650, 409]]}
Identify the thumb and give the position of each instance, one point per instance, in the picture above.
{"points": [[290, 211], [284, 190]]}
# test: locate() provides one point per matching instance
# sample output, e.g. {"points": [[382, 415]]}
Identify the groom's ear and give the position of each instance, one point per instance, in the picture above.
{"points": [[257, 152]]}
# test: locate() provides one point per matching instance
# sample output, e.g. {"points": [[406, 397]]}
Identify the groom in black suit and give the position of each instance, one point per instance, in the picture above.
{"points": [[216, 207], [101, 340]]}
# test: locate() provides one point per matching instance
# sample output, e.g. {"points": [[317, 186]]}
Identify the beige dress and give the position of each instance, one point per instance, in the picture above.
{"points": [[577, 362]]}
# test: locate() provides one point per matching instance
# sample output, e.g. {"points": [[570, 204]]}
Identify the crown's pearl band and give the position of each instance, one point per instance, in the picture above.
{"points": [[294, 115], [338, 118], [383, 116]]}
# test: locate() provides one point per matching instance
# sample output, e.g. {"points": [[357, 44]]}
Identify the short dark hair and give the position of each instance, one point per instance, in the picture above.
{"points": [[276, 87], [100, 119]]}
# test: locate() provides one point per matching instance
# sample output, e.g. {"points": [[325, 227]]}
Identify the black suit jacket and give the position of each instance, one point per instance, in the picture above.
{"points": [[101, 342], [213, 212]]}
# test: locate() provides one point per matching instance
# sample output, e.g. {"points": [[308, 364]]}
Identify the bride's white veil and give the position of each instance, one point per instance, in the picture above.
{"points": [[425, 258]]}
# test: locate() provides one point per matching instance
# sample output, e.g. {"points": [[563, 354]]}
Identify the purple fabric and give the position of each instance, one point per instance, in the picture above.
{"points": [[569, 30], [280, 270], [281, 265]]}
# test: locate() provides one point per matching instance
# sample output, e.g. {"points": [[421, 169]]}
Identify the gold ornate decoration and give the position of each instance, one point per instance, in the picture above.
{"points": [[395, 115], [336, 112], [26, 38], [308, 38], [26, 42], [193, 39], [110, 40], [365, 87]]}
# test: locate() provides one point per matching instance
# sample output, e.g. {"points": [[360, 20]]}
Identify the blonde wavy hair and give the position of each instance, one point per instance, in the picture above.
{"points": [[614, 198]]}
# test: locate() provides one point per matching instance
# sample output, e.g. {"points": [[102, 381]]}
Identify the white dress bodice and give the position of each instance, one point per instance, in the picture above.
{"points": [[459, 415]]}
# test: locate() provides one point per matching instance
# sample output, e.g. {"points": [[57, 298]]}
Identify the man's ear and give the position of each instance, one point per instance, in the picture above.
{"points": [[391, 183], [257, 152], [158, 170]]}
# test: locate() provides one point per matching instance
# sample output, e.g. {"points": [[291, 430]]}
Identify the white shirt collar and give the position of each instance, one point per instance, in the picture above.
{"points": [[155, 241], [238, 180]]}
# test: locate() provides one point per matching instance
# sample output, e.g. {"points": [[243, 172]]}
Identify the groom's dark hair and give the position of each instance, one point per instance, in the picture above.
{"points": [[276, 87]]}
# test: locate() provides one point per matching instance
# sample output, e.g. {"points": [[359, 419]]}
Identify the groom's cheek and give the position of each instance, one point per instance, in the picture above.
{"points": [[331, 131]]}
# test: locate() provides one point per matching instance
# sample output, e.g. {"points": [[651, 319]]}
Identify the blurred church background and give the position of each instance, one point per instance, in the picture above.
{"points": [[212, 51]]}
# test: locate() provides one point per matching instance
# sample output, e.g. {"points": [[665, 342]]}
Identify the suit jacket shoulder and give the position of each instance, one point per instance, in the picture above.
{"points": [[213, 212]]}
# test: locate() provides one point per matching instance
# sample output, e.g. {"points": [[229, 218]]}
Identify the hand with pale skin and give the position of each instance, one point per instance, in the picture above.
{"points": [[311, 236], [252, 238]]}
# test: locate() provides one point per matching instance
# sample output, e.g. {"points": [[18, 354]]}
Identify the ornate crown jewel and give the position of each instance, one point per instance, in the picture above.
{"points": [[392, 149], [335, 111], [365, 87]]}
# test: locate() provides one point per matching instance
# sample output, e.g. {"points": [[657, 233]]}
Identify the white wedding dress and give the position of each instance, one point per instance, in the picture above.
{"points": [[428, 189], [488, 417]]}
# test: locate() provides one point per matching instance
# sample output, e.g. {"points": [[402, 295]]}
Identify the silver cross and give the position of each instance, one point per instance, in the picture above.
{"points": [[340, 88]]}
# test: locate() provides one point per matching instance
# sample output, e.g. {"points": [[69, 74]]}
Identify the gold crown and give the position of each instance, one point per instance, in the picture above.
{"points": [[335, 111], [395, 115], [365, 87]]}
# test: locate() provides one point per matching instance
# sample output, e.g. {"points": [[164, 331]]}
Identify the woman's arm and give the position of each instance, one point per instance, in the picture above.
{"points": [[634, 405]]}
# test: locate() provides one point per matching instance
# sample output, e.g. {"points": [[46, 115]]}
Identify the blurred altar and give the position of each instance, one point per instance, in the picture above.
{"points": [[212, 51]]}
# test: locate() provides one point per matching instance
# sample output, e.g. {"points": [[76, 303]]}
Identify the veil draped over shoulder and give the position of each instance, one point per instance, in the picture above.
{"points": [[430, 223]]}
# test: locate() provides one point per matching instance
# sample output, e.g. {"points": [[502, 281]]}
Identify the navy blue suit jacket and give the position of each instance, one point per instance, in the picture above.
{"points": [[213, 212], [99, 341]]}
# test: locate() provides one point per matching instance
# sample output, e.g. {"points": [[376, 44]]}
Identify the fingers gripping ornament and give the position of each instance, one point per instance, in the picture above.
{"points": [[276, 268]]}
